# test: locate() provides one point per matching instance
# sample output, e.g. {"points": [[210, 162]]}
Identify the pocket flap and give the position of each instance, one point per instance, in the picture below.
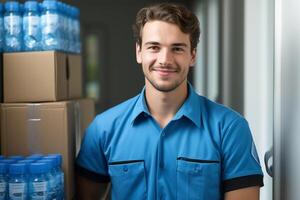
{"points": [[126, 168], [186, 166]]}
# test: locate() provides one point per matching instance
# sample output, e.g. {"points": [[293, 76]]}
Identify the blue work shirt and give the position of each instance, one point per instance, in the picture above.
{"points": [[203, 152]]}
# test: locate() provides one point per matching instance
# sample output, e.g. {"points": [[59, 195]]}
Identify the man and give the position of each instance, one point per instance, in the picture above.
{"points": [[168, 142]]}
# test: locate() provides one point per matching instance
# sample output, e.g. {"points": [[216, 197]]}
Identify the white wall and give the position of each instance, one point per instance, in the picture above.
{"points": [[287, 100], [258, 81], [240, 36]]}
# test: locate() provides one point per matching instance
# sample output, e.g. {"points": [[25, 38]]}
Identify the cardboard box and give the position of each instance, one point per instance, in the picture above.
{"points": [[41, 76], [1, 77], [46, 128]]}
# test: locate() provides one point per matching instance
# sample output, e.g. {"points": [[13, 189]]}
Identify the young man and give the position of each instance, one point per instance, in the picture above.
{"points": [[168, 142]]}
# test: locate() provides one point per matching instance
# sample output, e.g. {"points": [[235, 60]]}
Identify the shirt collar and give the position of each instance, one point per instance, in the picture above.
{"points": [[140, 107], [190, 108]]}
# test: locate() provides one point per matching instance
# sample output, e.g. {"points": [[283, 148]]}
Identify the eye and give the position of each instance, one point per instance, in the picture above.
{"points": [[178, 49], [153, 48]]}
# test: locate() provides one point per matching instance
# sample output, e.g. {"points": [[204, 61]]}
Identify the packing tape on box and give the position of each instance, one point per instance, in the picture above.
{"points": [[77, 116], [34, 128]]}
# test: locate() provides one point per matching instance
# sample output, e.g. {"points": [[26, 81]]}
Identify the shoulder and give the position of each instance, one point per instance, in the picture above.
{"points": [[222, 119], [217, 111], [104, 124], [112, 115]]}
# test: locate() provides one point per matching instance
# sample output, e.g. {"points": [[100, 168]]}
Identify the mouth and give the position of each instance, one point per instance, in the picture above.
{"points": [[164, 71]]}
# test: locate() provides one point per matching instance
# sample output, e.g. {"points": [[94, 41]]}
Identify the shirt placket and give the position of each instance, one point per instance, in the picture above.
{"points": [[161, 191]]}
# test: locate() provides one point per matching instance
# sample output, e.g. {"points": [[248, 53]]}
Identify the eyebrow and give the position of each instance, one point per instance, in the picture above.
{"points": [[152, 43], [175, 44], [180, 44]]}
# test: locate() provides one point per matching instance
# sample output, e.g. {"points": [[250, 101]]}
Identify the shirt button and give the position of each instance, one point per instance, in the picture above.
{"points": [[125, 169]]}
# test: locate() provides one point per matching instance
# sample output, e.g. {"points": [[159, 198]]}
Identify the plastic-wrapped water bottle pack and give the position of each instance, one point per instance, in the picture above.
{"points": [[39, 26], [33, 177]]}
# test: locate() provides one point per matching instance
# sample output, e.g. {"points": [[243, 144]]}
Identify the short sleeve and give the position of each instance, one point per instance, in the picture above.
{"points": [[91, 161], [241, 167]]}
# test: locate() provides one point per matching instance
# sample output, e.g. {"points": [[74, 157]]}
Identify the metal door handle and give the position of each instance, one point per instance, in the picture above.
{"points": [[268, 164]]}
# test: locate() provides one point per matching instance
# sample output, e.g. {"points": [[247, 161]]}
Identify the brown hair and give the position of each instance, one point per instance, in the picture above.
{"points": [[171, 13]]}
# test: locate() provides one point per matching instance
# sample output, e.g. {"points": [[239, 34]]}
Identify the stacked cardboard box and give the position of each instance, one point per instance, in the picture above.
{"points": [[1, 77], [44, 111], [42, 76]]}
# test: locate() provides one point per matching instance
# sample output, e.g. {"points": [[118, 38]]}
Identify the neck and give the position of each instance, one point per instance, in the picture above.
{"points": [[164, 105]]}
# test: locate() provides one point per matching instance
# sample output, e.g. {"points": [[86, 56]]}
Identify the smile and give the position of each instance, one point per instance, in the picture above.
{"points": [[164, 71]]}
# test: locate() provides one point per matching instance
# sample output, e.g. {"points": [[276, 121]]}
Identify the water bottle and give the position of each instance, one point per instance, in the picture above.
{"points": [[50, 25], [31, 26], [3, 181], [63, 26], [70, 29], [59, 173], [73, 30], [1, 28], [16, 157], [8, 161], [39, 181], [53, 184], [27, 162], [12, 27], [18, 183], [35, 157], [76, 29]]}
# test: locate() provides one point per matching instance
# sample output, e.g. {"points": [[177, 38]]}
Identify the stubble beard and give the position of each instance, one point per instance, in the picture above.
{"points": [[164, 88]]}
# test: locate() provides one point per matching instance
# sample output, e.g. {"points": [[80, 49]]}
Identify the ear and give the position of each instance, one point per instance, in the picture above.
{"points": [[193, 57], [138, 53]]}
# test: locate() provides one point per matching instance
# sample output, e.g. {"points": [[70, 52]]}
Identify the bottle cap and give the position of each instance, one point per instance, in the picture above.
{"points": [[17, 168], [39, 168], [3, 168], [12, 6], [31, 6]]}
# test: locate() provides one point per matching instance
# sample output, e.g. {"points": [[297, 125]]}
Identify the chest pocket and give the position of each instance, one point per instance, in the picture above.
{"points": [[198, 179], [128, 179]]}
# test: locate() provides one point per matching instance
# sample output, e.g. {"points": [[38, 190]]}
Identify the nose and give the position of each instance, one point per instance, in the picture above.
{"points": [[165, 57]]}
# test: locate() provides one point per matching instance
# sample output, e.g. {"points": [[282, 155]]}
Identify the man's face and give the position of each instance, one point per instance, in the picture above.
{"points": [[165, 55]]}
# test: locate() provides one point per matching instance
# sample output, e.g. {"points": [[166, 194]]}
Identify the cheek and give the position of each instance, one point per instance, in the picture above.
{"points": [[148, 59]]}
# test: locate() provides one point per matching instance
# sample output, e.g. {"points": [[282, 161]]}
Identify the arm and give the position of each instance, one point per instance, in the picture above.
{"points": [[88, 189], [249, 193]]}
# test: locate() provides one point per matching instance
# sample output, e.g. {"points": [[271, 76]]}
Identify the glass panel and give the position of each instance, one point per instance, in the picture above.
{"points": [[92, 86]]}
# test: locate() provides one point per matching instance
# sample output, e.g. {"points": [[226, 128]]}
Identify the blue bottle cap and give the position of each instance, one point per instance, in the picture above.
{"points": [[3, 168], [60, 6], [17, 168], [12, 6], [68, 9], [31, 6], [51, 162], [76, 13], [35, 156], [17, 157], [1, 7], [50, 5], [54, 160], [27, 162], [21, 8], [39, 168], [8, 161], [58, 158]]}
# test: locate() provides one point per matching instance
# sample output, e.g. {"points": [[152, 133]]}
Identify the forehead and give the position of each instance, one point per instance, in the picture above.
{"points": [[164, 33]]}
